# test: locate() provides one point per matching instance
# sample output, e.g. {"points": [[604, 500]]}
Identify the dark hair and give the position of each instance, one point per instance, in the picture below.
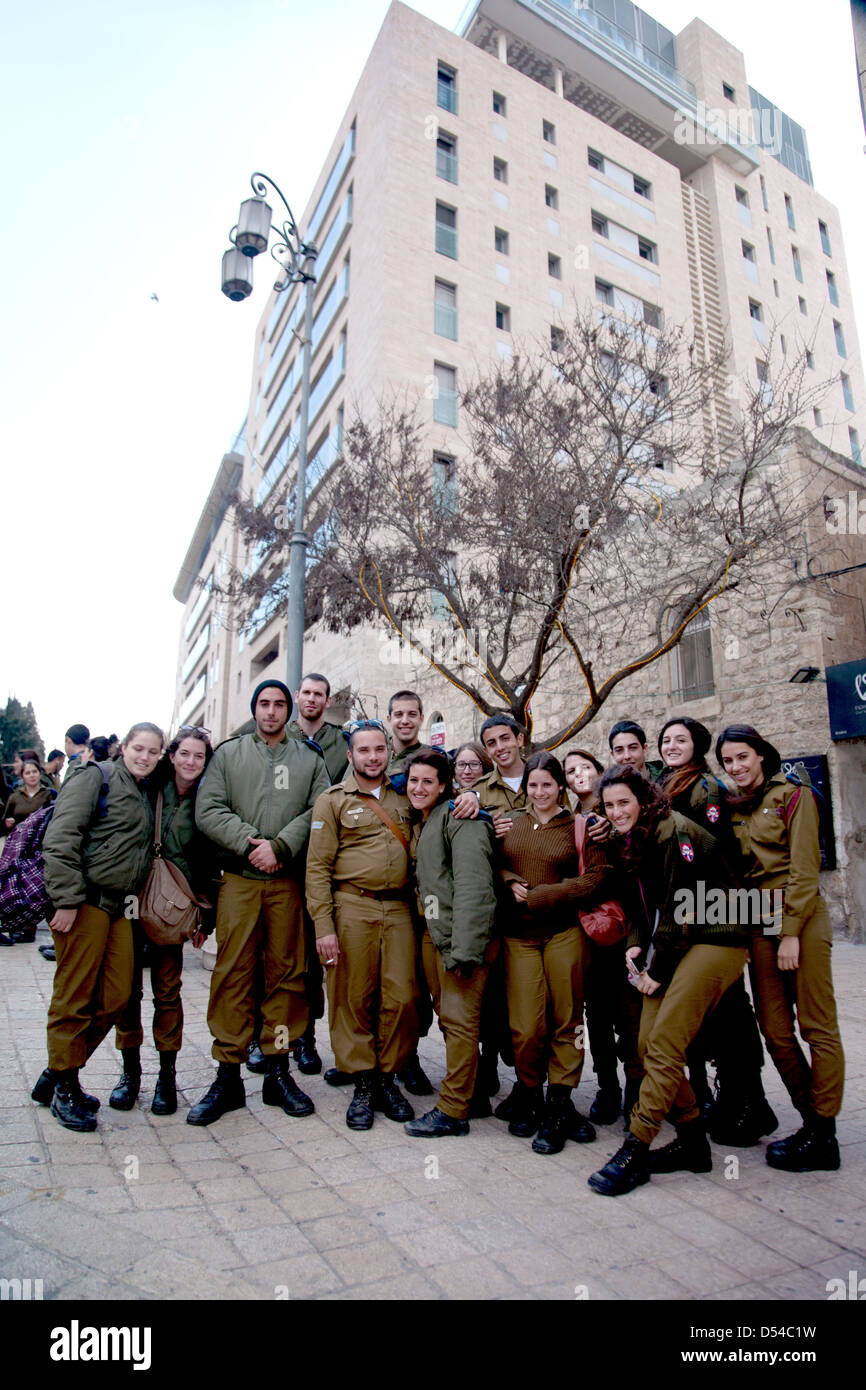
{"points": [[78, 733], [746, 733], [626, 726], [55, 753], [30, 755], [582, 753], [654, 806], [405, 695], [441, 765], [99, 746], [165, 769], [322, 680], [676, 780], [496, 719], [480, 752], [543, 761]]}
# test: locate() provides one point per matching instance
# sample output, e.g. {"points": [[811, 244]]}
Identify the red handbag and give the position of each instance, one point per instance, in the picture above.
{"points": [[607, 922]]}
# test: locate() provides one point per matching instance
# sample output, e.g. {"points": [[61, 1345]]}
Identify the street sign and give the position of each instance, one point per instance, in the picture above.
{"points": [[846, 699]]}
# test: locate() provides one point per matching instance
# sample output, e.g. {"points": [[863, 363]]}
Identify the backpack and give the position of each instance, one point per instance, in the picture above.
{"points": [[24, 902]]}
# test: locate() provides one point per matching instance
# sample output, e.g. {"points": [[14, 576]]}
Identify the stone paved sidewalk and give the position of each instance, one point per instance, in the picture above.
{"points": [[261, 1206]]}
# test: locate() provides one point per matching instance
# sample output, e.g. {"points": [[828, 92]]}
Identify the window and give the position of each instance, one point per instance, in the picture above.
{"points": [[500, 241], [445, 396], [499, 105], [789, 209], [445, 483], [756, 311], [604, 293], [551, 196], [557, 339], [840, 338], [832, 289], [445, 310], [818, 417], [554, 266], [771, 247], [500, 170], [503, 318], [798, 269], [692, 661], [446, 157], [776, 288], [802, 304], [658, 385], [548, 131], [599, 225], [854, 441], [446, 231], [446, 88], [647, 250], [641, 187], [652, 315], [764, 193], [825, 238], [596, 160], [810, 359], [846, 391], [741, 196], [748, 252], [784, 344], [727, 91]]}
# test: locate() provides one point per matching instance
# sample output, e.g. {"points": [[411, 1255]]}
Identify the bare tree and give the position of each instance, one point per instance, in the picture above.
{"points": [[606, 491]]}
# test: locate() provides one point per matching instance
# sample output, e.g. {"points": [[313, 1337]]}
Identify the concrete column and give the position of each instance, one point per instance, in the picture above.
{"points": [[557, 79], [502, 47]]}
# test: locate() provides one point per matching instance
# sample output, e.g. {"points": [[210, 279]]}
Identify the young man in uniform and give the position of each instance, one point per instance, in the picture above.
{"points": [[628, 746], [75, 742], [405, 713], [256, 803], [311, 701], [358, 896]]}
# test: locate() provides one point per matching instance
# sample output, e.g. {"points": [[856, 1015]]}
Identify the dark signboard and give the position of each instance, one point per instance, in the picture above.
{"points": [[846, 699], [815, 765]]}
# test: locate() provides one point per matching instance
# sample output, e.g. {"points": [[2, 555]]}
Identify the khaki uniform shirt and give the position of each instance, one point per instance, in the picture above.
{"points": [[350, 845], [780, 848], [495, 794]]}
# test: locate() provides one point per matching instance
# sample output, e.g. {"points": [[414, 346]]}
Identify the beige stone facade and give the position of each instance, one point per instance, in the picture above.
{"points": [[520, 164]]}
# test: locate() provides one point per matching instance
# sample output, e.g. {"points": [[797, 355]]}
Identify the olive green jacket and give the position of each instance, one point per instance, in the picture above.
{"points": [[455, 878], [92, 858], [254, 789], [332, 742], [183, 843]]}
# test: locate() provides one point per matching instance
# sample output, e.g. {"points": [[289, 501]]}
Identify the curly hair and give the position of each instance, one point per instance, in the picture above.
{"points": [[654, 806]]}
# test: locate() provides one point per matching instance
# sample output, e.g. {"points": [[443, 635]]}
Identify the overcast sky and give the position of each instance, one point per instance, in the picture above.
{"points": [[131, 130]]}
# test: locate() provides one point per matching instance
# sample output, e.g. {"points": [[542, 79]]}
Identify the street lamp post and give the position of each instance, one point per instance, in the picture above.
{"points": [[296, 259]]}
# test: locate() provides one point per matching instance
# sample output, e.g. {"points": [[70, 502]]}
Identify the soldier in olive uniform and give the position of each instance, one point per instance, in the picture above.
{"points": [[358, 896]]}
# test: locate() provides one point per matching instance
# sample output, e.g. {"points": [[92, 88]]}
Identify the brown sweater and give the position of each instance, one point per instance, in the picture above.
{"points": [[545, 857], [20, 805]]}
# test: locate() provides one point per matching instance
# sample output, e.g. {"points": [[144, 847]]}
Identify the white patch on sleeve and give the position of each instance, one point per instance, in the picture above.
{"points": [[317, 825]]}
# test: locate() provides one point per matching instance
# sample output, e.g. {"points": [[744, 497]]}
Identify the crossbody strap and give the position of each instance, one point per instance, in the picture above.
{"points": [[387, 821], [157, 827]]}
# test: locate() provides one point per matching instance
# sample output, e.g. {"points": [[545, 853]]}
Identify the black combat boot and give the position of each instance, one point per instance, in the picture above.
{"points": [[505, 1108], [606, 1107], [280, 1088], [814, 1148], [436, 1125], [125, 1093], [628, 1169], [226, 1093], [527, 1112], [67, 1103], [360, 1112], [165, 1095], [306, 1056], [739, 1115], [689, 1153], [256, 1058], [44, 1090], [390, 1099], [47, 950], [334, 1077], [414, 1078], [556, 1122]]}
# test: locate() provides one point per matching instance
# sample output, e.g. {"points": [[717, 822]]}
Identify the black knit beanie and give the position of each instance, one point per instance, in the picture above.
{"points": [[263, 685]]}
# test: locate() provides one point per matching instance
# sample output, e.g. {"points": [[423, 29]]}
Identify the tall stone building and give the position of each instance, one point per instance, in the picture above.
{"points": [[478, 182]]}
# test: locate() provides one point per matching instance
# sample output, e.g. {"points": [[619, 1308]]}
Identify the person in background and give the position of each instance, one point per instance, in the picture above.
{"points": [[546, 955], [775, 820], [178, 777], [54, 766], [471, 763], [97, 851], [454, 872], [612, 1010], [628, 746], [29, 796], [662, 861], [740, 1115], [98, 748], [77, 736]]}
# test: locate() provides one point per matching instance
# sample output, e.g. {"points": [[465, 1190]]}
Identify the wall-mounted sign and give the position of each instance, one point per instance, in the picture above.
{"points": [[437, 734], [846, 699]]}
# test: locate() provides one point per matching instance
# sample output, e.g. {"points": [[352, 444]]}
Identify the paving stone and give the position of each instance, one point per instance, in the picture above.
{"points": [[330, 1232], [495, 1232], [434, 1245], [303, 1276], [401, 1290], [271, 1242], [474, 1277], [249, 1213], [311, 1202]]}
